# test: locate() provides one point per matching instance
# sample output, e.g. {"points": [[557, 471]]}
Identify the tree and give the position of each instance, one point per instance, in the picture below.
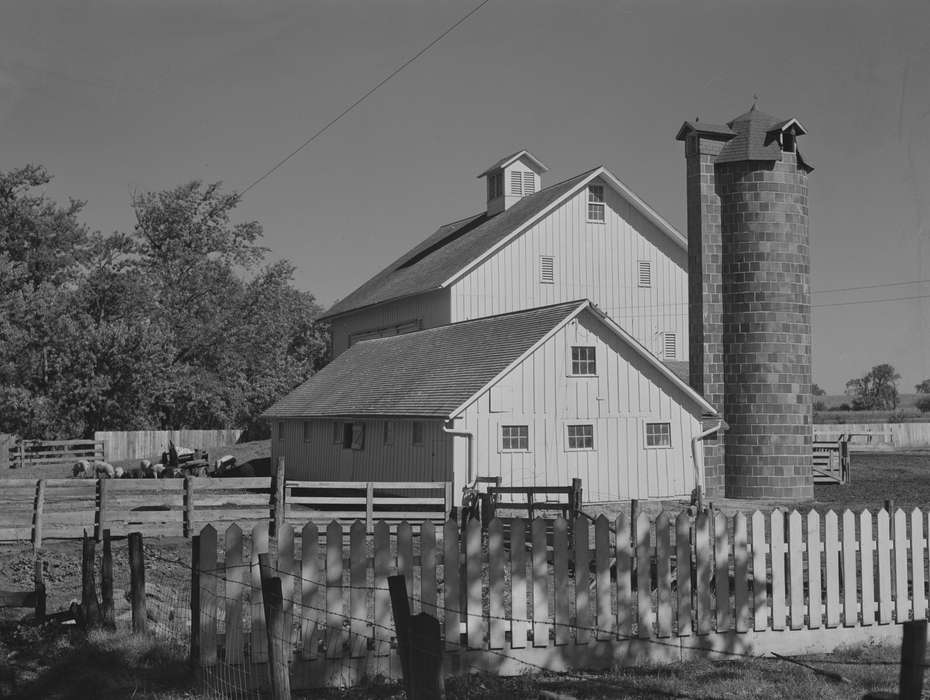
{"points": [[877, 390], [817, 391], [923, 387]]}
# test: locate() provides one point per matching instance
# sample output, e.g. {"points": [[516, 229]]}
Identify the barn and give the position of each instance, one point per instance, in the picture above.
{"points": [[537, 396]]}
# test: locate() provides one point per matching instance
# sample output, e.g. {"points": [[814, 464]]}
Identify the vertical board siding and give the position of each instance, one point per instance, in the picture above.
{"points": [[598, 261], [149, 444]]}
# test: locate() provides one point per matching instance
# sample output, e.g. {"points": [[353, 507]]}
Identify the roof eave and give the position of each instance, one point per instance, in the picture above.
{"points": [[329, 316]]}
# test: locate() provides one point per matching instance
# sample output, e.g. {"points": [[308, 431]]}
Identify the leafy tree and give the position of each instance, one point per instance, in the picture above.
{"points": [[817, 391], [877, 390], [923, 387]]}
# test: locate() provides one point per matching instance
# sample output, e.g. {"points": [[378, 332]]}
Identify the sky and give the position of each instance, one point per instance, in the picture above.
{"points": [[115, 97]]}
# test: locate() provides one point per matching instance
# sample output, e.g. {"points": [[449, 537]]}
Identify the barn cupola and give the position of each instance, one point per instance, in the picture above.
{"points": [[512, 178]]}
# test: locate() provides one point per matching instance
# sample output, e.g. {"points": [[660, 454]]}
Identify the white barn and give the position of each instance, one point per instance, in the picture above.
{"points": [[587, 237], [536, 397]]}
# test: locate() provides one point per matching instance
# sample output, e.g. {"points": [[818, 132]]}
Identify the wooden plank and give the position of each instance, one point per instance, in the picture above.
{"points": [[379, 485], [663, 576], [683, 560], [15, 534], [358, 593], [497, 628], [259, 637], [235, 582], [831, 559], [777, 550], [760, 550], [584, 617], [884, 568], [540, 574], [704, 560], [560, 593], [452, 590], [38, 517], [518, 589], [286, 572], [796, 607], [722, 573], [918, 565], [209, 609], [624, 558], [814, 568], [741, 573], [606, 622], [867, 577], [336, 635], [383, 623], [405, 555], [475, 621], [428, 561], [850, 588], [644, 553], [901, 580]]}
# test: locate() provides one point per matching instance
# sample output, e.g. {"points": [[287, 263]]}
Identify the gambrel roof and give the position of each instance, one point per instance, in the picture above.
{"points": [[437, 372], [456, 247]]}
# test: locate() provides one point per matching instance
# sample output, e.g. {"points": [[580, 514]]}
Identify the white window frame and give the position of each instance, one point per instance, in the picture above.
{"points": [[571, 361], [569, 448], [647, 266], [500, 441], [415, 426], [646, 425], [308, 430], [598, 204], [543, 260]]}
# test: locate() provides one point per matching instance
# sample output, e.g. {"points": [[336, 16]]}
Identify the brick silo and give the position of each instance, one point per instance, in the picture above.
{"points": [[749, 302]]}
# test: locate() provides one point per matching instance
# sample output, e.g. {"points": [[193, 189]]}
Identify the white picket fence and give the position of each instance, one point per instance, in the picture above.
{"points": [[560, 595]]}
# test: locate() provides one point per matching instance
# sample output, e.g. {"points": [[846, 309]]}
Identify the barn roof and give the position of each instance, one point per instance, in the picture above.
{"points": [[435, 373]]}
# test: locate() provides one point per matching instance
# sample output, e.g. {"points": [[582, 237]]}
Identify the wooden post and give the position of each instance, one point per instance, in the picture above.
{"points": [[913, 649], [369, 507], [277, 498], [38, 515], [39, 584], [400, 605], [90, 607], [449, 506], [426, 679], [576, 499], [106, 583], [103, 502], [188, 524], [634, 514], [279, 648], [137, 582], [195, 600]]}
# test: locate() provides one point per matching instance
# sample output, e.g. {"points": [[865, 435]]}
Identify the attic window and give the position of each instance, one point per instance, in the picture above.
{"points": [[645, 273], [787, 142], [495, 186], [595, 203], [546, 269], [584, 361], [670, 346]]}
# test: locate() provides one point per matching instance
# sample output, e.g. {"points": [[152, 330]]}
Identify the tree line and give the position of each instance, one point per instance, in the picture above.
{"points": [[181, 322], [877, 390]]}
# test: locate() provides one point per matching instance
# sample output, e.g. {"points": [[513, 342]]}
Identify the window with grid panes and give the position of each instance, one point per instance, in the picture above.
{"points": [[581, 436], [658, 434], [515, 437], [596, 203], [583, 360]]}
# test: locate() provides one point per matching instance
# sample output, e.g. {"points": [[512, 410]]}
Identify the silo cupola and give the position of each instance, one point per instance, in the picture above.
{"points": [[512, 178]]}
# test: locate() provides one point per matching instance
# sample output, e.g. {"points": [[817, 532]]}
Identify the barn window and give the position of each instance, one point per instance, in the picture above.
{"points": [[281, 430], [346, 436], [358, 436], [658, 434], [583, 361], [670, 346], [417, 433], [581, 436], [546, 269], [515, 437], [645, 273], [337, 433], [388, 432], [307, 429], [596, 203]]}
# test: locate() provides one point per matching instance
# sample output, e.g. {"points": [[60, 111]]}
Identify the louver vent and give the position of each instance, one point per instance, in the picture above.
{"points": [[671, 346], [645, 273], [529, 183], [547, 269]]}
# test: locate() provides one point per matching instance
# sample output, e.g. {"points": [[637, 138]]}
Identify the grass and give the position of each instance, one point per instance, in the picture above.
{"points": [[903, 477]]}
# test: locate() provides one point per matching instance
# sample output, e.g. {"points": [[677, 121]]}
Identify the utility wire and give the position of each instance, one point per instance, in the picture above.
{"points": [[868, 286], [361, 99]]}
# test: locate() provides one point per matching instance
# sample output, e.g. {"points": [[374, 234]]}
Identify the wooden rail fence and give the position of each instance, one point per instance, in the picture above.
{"points": [[684, 587], [145, 444], [43, 453]]}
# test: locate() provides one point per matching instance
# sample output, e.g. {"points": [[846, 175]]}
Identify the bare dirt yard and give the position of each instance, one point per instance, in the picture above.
{"points": [[58, 661]]}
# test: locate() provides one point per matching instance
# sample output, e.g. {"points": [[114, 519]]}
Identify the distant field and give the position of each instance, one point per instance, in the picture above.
{"points": [[907, 403]]}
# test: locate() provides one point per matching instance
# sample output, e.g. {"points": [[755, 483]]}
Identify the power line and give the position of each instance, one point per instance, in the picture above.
{"points": [[871, 301], [361, 99], [868, 286]]}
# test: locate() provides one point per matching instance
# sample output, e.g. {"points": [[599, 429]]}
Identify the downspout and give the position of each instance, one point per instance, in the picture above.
{"points": [[697, 495], [447, 428]]}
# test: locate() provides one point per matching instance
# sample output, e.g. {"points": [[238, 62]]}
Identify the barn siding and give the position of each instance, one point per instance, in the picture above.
{"points": [[592, 260], [430, 310], [627, 393], [321, 459]]}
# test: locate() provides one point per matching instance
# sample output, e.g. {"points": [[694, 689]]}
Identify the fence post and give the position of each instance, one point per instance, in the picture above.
{"points": [[188, 525], [426, 680], [90, 607], [276, 630], [38, 514], [195, 600], [137, 582], [369, 507], [106, 582], [400, 605], [103, 498], [913, 649], [39, 584], [277, 498], [576, 498], [449, 506]]}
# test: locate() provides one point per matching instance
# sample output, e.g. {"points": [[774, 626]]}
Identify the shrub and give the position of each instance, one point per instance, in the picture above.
{"points": [[820, 405], [923, 404], [903, 415]]}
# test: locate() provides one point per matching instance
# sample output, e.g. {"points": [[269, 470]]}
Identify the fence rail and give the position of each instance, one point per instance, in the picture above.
{"points": [[664, 590], [145, 444], [43, 453], [897, 435]]}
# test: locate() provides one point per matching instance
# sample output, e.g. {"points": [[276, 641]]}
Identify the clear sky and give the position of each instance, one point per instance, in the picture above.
{"points": [[116, 96]]}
